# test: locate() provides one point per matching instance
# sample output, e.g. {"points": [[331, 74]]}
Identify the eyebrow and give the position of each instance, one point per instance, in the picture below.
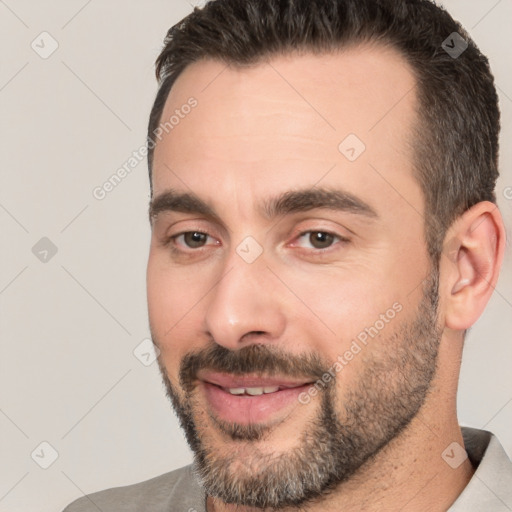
{"points": [[293, 201], [171, 200]]}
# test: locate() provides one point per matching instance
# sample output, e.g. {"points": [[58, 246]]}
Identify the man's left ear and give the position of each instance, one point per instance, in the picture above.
{"points": [[470, 264]]}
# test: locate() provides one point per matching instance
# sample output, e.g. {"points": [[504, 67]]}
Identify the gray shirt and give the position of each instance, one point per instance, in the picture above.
{"points": [[489, 490]]}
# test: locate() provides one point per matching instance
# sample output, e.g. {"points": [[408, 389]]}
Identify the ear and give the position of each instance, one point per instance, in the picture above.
{"points": [[470, 264]]}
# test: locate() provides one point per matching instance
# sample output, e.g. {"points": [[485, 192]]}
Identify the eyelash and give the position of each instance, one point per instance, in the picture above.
{"points": [[171, 241]]}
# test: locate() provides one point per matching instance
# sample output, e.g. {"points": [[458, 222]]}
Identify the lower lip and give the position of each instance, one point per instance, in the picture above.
{"points": [[246, 409]]}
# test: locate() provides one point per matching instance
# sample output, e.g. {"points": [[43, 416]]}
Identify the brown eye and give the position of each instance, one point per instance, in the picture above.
{"points": [[195, 239], [320, 239]]}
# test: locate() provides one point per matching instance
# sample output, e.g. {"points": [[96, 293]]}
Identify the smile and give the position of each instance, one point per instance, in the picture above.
{"points": [[250, 399]]}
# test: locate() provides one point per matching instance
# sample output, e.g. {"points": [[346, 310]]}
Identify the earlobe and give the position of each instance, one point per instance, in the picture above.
{"points": [[476, 246]]}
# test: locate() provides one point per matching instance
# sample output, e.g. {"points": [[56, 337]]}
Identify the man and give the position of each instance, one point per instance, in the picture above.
{"points": [[324, 232]]}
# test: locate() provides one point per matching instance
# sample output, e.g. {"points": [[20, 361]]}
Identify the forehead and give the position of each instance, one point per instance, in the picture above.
{"points": [[286, 122]]}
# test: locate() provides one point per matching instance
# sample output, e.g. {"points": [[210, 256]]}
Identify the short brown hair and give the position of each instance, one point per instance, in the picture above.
{"points": [[456, 141]]}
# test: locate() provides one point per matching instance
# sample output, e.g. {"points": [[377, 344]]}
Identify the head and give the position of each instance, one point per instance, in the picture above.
{"points": [[315, 209]]}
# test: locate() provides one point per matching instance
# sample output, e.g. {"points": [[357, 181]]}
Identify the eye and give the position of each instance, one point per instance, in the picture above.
{"points": [[192, 239], [318, 239]]}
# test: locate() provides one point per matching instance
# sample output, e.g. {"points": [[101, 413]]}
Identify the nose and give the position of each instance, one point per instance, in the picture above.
{"points": [[245, 306]]}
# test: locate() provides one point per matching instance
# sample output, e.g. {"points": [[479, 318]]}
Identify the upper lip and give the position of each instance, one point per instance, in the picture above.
{"points": [[225, 380]]}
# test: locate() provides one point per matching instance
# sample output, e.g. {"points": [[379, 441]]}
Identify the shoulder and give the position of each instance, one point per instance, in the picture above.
{"points": [[159, 494]]}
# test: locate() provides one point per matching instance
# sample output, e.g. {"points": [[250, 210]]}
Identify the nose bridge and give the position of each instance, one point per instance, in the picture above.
{"points": [[244, 300]]}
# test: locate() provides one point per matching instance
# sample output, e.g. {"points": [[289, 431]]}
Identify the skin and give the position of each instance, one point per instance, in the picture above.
{"points": [[273, 127]]}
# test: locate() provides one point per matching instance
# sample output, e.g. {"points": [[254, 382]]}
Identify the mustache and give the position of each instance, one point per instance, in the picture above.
{"points": [[258, 358]]}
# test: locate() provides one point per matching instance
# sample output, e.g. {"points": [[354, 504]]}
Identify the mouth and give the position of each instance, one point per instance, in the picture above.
{"points": [[250, 399]]}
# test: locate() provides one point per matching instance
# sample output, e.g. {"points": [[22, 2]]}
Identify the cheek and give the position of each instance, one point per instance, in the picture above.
{"points": [[171, 328], [173, 293], [362, 327], [337, 305], [175, 308]]}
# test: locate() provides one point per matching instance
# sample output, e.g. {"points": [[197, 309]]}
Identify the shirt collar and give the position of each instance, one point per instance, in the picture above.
{"points": [[490, 488]]}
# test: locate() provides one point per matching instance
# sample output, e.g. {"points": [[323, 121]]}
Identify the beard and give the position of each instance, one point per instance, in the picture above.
{"points": [[345, 434]]}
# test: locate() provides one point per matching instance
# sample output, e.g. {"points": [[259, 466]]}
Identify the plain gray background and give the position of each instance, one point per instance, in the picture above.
{"points": [[71, 322]]}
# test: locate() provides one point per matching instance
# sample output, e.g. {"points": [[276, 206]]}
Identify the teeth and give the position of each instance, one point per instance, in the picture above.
{"points": [[237, 391], [253, 391]]}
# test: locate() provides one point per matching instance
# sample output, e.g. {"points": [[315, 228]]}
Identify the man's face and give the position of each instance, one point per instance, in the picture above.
{"points": [[297, 256]]}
